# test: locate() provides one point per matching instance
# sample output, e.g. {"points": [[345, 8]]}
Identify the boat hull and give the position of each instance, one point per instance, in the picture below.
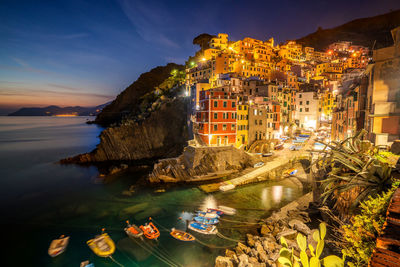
{"points": [[58, 246], [203, 228], [102, 245], [227, 210], [182, 236], [205, 220]]}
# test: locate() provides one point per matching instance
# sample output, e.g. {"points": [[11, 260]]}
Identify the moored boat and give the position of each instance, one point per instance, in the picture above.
{"points": [[58, 246], [150, 231], [216, 211], [226, 187], [181, 235], [227, 210], [205, 220], [203, 228], [291, 171], [208, 215], [102, 245], [132, 230]]}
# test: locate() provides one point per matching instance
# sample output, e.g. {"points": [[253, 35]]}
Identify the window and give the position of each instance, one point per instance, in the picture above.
{"points": [[233, 115], [299, 95], [232, 127], [255, 122], [260, 122], [225, 104], [233, 104], [223, 127], [301, 110], [215, 104], [224, 115], [307, 102], [301, 102], [215, 127], [240, 107], [215, 115], [307, 109]]}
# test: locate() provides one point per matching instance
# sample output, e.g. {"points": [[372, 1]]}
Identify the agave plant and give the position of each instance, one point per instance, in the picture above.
{"points": [[353, 171]]}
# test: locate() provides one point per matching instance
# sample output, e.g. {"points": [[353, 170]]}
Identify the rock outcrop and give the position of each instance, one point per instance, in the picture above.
{"points": [[263, 250], [197, 162], [163, 134]]}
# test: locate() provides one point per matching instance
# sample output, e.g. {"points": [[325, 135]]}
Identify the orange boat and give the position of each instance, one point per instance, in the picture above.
{"points": [[150, 231], [181, 235]]}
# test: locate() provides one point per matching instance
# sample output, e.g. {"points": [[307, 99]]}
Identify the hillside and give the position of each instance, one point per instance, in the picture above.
{"points": [[56, 110], [363, 32], [128, 102]]}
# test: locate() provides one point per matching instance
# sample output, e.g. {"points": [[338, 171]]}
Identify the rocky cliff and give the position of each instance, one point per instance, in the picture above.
{"points": [[369, 32], [196, 163], [129, 101], [163, 133]]}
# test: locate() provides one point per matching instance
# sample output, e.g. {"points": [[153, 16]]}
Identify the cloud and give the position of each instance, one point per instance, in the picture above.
{"points": [[149, 22]]}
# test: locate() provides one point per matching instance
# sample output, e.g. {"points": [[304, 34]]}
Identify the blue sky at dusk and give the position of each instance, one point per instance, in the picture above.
{"points": [[86, 52]]}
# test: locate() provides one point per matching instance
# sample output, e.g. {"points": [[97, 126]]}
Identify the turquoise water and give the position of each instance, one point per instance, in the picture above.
{"points": [[40, 200]]}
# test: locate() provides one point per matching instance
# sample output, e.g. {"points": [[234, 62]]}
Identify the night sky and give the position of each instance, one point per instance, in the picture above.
{"points": [[85, 52]]}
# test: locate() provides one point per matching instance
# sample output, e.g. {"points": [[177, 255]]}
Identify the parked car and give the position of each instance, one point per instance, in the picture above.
{"points": [[258, 164]]}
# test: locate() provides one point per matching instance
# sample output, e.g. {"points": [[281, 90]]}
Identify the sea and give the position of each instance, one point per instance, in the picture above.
{"points": [[41, 200]]}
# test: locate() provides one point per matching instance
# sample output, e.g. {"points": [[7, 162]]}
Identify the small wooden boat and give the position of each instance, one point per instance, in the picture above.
{"points": [[216, 211], [181, 235], [86, 264], [58, 246], [208, 215], [227, 210], [150, 231], [226, 187], [205, 220], [133, 231], [291, 172], [102, 245], [203, 228]]}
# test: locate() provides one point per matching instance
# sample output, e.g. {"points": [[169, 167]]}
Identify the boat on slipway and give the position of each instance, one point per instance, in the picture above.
{"points": [[291, 172], [58, 246], [208, 215], [203, 228], [227, 210], [150, 231], [205, 220], [226, 186], [102, 245], [181, 235], [133, 231]]}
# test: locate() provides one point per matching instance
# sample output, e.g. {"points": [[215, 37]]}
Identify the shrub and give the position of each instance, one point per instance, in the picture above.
{"points": [[359, 237], [287, 257]]}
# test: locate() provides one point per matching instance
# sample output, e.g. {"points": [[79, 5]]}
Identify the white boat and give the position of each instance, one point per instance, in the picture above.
{"points": [[58, 246], [227, 210], [203, 228], [208, 215], [226, 187]]}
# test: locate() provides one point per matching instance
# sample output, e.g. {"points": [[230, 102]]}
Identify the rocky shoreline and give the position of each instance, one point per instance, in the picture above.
{"points": [[263, 250]]}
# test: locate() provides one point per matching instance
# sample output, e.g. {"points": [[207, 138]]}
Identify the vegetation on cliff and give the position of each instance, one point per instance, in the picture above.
{"points": [[364, 31], [131, 101]]}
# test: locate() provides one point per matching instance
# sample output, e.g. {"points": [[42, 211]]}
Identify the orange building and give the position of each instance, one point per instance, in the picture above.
{"points": [[216, 118]]}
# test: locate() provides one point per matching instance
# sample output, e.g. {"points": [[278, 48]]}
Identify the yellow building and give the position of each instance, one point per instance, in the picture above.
{"points": [[219, 42], [242, 128], [327, 105]]}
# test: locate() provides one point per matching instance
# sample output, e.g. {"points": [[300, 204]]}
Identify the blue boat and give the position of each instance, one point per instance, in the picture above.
{"points": [[203, 228], [205, 220], [207, 215], [216, 211]]}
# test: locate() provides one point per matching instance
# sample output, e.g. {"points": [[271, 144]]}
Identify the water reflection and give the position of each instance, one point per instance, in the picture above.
{"points": [[209, 203]]}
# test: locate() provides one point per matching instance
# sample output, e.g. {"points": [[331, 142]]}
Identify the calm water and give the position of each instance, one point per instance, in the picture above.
{"points": [[40, 200]]}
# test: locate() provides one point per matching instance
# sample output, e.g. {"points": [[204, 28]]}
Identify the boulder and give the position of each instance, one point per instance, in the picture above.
{"points": [[230, 253], [288, 234], [250, 240], [221, 261], [266, 229], [299, 226], [241, 249], [243, 260]]}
